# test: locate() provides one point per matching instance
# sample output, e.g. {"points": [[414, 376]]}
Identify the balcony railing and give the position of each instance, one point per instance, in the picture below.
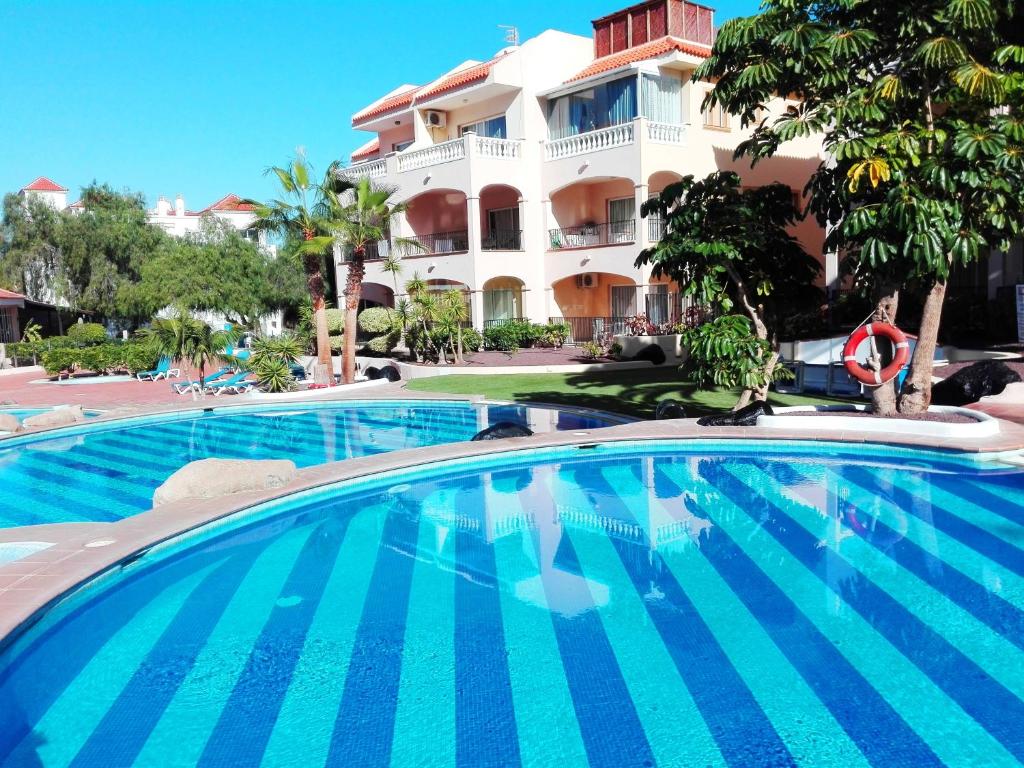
{"points": [[504, 321], [445, 152], [503, 149], [584, 329], [666, 133], [655, 228], [591, 141], [590, 235], [442, 242], [503, 240], [372, 251], [373, 169]]}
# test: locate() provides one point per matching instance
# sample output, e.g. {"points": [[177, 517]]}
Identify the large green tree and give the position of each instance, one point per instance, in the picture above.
{"points": [[920, 108], [215, 269], [730, 248], [29, 254]]}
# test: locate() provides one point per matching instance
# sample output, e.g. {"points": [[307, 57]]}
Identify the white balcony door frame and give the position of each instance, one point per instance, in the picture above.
{"points": [[618, 229]]}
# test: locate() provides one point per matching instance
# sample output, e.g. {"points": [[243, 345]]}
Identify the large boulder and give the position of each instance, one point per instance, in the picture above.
{"points": [[390, 373], [968, 385], [669, 409], [9, 423], [212, 478], [501, 430], [58, 417], [744, 417]]}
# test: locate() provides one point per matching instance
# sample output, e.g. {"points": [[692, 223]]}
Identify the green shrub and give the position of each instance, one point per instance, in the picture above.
{"points": [[61, 360], [502, 338], [335, 321], [592, 350], [336, 343], [615, 350], [381, 345], [274, 373], [551, 334], [377, 320], [471, 340], [87, 333], [287, 347], [136, 357], [726, 353]]}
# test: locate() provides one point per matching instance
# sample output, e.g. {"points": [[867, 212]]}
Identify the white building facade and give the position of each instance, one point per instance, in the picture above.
{"points": [[524, 174]]}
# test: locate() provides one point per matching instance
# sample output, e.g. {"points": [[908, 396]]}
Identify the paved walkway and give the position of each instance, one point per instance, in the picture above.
{"points": [[18, 389]]}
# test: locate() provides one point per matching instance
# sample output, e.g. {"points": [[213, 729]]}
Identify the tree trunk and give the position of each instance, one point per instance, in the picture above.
{"points": [[887, 299], [353, 290], [315, 284], [916, 395], [753, 311]]}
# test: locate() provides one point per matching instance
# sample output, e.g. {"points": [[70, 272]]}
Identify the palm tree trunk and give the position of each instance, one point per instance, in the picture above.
{"points": [[353, 290], [315, 284], [916, 395]]}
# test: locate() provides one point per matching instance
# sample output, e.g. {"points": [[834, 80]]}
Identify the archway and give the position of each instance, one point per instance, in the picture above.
{"points": [[595, 305], [500, 225], [502, 300], [438, 221], [593, 212], [376, 295]]}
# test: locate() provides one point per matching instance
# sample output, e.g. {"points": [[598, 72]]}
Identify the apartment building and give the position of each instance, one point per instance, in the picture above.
{"points": [[524, 174]]}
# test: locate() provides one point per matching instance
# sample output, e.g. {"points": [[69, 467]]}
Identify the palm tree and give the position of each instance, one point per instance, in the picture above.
{"points": [[456, 311], [392, 264], [187, 339], [361, 215], [303, 216]]}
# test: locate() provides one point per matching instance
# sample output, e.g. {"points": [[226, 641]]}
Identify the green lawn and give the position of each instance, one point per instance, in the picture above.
{"points": [[633, 393]]}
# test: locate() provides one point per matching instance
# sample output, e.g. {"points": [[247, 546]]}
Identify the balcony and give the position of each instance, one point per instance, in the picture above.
{"points": [[591, 235], [374, 169], [614, 136], [442, 242], [468, 146], [503, 240]]}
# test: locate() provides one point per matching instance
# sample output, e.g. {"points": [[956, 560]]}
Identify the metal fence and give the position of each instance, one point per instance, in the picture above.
{"points": [[589, 235], [503, 240]]}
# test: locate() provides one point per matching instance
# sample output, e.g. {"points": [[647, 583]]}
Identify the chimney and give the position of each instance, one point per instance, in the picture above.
{"points": [[163, 208], [179, 205]]}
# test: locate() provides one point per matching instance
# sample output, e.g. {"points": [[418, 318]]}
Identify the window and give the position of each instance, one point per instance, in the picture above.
{"points": [[661, 98], [604, 105], [493, 128], [621, 220], [502, 230], [401, 146], [715, 117]]}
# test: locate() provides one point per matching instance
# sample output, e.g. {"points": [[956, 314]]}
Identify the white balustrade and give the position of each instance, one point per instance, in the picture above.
{"points": [[503, 149], [373, 169], [591, 141], [666, 133], [444, 152]]}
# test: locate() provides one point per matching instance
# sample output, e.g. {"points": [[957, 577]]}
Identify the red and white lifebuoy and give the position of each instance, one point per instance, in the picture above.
{"points": [[870, 376]]}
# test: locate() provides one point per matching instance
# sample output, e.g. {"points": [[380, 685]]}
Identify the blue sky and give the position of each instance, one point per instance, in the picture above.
{"points": [[199, 97]]}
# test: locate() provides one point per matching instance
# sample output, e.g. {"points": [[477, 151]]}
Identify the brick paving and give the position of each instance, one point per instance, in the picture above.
{"points": [[18, 389]]}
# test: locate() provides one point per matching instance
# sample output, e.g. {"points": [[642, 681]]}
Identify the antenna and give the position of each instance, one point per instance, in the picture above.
{"points": [[511, 34]]}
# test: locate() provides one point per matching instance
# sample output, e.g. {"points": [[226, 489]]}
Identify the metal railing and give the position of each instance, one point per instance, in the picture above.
{"points": [[503, 240], [505, 321], [443, 242], [372, 252], [590, 328], [655, 228], [589, 235]]}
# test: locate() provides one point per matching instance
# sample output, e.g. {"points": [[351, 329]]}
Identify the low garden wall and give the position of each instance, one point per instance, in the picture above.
{"points": [[671, 345]]}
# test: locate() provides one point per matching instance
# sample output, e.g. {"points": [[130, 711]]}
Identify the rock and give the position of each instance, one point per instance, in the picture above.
{"points": [[371, 372], [9, 423], [669, 409], [968, 385], [501, 430], [744, 417], [58, 417], [390, 373], [212, 478]]}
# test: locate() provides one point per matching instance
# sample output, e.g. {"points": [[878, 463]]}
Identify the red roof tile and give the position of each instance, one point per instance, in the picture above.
{"points": [[43, 184], [10, 295], [77, 204], [651, 50], [372, 147], [390, 104], [229, 203], [459, 79]]}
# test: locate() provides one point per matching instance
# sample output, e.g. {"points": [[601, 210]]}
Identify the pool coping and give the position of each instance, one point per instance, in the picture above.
{"points": [[31, 586]]}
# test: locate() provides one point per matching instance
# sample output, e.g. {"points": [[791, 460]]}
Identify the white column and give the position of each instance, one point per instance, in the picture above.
{"points": [[473, 225], [476, 307], [641, 223]]}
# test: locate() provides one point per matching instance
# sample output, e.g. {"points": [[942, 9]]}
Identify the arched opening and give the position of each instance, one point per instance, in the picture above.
{"points": [[442, 285], [593, 212], [376, 295], [656, 184], [595, 305], [503, 300], [438, 221], [500, 225]]}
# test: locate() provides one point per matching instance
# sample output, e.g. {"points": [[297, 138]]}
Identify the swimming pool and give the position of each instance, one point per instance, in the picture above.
{"points": [[646, 604], [108, 472]]}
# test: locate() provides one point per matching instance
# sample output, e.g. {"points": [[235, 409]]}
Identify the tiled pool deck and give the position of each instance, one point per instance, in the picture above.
{"points": [[83, 550]]}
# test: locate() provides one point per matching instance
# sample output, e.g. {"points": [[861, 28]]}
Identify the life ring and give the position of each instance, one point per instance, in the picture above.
{"points": [[870, 376]]}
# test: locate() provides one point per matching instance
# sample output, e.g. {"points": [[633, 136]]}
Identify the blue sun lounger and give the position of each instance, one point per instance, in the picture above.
{"points": [[163, 370], [181, 387], [236, 385]]}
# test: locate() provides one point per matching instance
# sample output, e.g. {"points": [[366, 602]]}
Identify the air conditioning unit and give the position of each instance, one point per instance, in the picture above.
{"points": [[586, 280], [436, 118]]}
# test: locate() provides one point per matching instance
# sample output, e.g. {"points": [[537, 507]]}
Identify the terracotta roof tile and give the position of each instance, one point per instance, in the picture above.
{"points": [[651, 50], [43, 184], [390, 104], [459, 79], [229, 203], [10, 295], [372, 147]]}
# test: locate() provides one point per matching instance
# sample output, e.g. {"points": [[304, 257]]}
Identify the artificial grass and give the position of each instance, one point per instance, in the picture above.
{"points": [[631, 393]]}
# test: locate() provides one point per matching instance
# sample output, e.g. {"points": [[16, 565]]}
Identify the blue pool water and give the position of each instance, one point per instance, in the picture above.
{"points": [[693, 604], [105, 473]]}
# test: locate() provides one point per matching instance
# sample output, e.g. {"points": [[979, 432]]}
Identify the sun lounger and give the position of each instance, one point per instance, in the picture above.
{"points": [[235, 385], [183, 387], [163, 370]]}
